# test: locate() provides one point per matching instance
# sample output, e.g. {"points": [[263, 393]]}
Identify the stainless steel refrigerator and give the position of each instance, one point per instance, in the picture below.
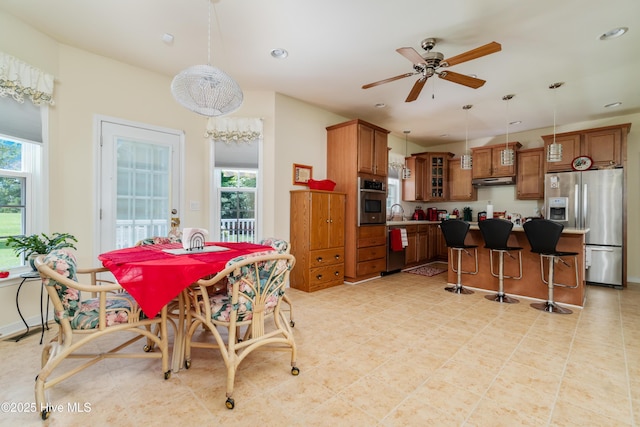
{"points": [[591, 199]]}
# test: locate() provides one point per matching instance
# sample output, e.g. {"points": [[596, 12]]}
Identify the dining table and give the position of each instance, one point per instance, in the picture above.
{"points": [[155, 275]]}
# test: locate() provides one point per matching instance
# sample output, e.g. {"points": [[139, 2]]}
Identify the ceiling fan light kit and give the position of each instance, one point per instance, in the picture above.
{"points": [[466, 161], [507, 155], [207, 90], [554, 150], [430, 63]]}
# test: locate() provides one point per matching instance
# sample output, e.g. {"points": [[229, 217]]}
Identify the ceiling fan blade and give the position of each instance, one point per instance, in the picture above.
{"points": [[487, 49], [411, 54], [416, 89], [390, 79], [461, 79]]}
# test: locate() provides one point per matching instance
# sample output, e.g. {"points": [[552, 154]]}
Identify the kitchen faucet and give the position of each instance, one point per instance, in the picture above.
{"points": [[401, 211]]}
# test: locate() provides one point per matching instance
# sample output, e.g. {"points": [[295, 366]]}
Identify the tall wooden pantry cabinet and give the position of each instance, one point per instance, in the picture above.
{"points": [[317, 239]]}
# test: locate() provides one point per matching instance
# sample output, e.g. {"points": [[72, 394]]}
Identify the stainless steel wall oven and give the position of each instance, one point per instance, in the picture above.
{"points": [[372, 205]]}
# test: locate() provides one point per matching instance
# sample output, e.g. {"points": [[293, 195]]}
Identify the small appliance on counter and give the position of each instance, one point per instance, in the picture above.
{"points": [[432, 214], [482, 216], [442, 214], [419, 215]]}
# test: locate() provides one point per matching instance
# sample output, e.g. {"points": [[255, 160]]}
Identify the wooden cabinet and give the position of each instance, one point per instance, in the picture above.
{"points": [[437, 173], [459, 182], [372, 250], [357, 149], [437, 245], [372, 150], [530, 180], [417, 251], [607, 146], [414, 187], [317, 235], [487, 162]]}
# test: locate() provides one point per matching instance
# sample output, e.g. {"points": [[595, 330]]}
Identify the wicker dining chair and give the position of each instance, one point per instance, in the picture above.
{"points": [[283, 247], [81, 321], [252, 302]]}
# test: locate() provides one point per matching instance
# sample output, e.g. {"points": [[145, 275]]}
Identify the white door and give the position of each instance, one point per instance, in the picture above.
{"points": [[140, 182]]}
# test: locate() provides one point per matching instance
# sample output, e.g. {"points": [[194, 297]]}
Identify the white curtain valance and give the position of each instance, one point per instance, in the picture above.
{"points": [[18, 79], [234, 129]]}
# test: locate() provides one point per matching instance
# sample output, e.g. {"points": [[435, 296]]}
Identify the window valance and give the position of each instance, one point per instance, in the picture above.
{"points": [[234, 129], [19, 80]]}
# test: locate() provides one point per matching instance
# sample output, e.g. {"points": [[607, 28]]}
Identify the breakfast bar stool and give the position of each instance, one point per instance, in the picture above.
{"points": [[543, 236], [496, 233], [455, 231]]}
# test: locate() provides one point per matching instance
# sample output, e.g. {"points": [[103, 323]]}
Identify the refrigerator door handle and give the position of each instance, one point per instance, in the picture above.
{"points": [[588, 253], [575, 207], [584, 207]]}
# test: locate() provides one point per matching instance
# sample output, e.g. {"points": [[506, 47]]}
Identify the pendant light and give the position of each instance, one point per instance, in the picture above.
{"points": [[406, 172], [207, 90], [507, 155], [554, 150], [465, 160]]}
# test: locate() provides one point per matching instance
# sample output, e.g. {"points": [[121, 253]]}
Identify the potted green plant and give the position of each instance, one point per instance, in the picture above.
{"points": [[40, 244]]}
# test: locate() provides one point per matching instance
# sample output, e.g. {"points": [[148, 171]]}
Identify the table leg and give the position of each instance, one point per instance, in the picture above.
{"points": [[19, 312], [177, 356]]}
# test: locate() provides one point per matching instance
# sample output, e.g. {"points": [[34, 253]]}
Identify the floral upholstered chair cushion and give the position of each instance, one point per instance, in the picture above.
{"points": [[280, 245], [84, 314], [250, 284], [158, 240]]}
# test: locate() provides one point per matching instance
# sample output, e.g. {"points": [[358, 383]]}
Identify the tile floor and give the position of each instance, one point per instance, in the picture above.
{"points": [[397, 351]]}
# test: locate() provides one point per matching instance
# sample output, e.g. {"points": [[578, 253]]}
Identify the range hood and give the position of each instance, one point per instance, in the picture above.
{"points": [[485, 182]]}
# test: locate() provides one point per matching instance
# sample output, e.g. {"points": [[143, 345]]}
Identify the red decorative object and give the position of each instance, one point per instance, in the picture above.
{"points": [[323, 184], [4, 274]]}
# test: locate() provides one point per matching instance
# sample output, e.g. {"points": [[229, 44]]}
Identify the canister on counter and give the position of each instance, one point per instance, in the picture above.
{"points": [[482, 216]]}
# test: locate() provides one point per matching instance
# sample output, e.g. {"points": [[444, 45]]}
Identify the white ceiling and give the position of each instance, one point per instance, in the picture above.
{"points": [[336, 46]]}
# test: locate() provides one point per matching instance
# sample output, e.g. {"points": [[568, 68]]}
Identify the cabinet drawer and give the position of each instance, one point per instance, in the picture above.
{"points": [[322, 275], [326, 257], [372, 231], [372, 241], [372, 252], [371, 267], [411, 229]]}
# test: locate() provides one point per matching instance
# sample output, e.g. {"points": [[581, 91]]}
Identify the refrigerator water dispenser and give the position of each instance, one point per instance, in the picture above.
{"points": [[558, 208]]}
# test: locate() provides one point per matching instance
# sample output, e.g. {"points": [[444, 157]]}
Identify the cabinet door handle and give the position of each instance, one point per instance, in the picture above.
{"points": [[327, 220], [319, 259], [337, 273], [319, 277], [337, 256]]}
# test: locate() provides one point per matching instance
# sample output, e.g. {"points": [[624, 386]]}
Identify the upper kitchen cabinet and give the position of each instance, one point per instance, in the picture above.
{"points": [[459, 184], [414, 187], [606, 146], [487, 162], [530, 181], [372, 150]]}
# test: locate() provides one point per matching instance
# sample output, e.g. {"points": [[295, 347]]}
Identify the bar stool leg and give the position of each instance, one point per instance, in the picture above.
{"points": [[500, 296], [457, 288], [550, 306]]}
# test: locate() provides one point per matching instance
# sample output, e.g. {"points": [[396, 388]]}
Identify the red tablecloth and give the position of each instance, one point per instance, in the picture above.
{"points": [[154, 277]]}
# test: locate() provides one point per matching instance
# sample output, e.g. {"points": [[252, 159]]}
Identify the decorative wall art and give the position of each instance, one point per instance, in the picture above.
{"points": [[302, 174]]}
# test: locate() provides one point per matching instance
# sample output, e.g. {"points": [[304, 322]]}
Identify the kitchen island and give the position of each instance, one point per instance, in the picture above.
{"points": [[531, 284]]}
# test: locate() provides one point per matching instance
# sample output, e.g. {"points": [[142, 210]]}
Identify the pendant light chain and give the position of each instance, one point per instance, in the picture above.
{"points": [[406, 172], [554, 150], [466, 161], [507, 155], [209, 35]]}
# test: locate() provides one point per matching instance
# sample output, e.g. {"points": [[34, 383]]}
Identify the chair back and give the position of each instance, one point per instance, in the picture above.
{"points": [[281, 245], [454, 231], [543, 235], [495, 232], [61, 263]]}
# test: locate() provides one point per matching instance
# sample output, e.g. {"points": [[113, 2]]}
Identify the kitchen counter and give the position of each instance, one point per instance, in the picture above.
{"points": [[411, 222], [531, 284]]}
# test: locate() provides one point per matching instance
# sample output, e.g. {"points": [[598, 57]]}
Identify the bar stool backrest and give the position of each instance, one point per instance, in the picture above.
{"points": [[495, 232], [543, 235], [454, 231]]}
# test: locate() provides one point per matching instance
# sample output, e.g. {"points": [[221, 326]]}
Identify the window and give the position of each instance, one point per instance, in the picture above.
{"points": [[21, 210], [237, 204]]}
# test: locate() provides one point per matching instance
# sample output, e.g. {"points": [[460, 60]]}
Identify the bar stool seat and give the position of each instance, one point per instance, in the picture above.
{"points": [[543, 236], [455, 231], [496, 234]]}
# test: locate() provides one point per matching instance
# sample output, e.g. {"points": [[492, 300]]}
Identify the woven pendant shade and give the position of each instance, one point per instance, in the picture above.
{"points": [[206, 90]]}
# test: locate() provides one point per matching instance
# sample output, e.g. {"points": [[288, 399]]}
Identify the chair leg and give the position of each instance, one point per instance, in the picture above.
{"points": [[501, 296], [458, 288], [549, 305]]}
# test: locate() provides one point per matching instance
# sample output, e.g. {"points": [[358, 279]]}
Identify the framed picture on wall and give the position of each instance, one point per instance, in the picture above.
{"points": [[302, 174]]}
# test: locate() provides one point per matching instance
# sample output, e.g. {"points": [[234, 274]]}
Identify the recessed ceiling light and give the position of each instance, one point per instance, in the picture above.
{"points": [[613, 104], [444, 135], [279, 53], [612, 34], [167, 38], [517, 122], [380, 105]]}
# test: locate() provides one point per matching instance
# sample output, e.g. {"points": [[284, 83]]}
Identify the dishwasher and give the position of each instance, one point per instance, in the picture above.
{"points": [[395, 259]]}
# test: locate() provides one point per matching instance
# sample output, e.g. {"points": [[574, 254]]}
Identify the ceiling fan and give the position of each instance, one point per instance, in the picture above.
{"points": [[430, 63]]}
